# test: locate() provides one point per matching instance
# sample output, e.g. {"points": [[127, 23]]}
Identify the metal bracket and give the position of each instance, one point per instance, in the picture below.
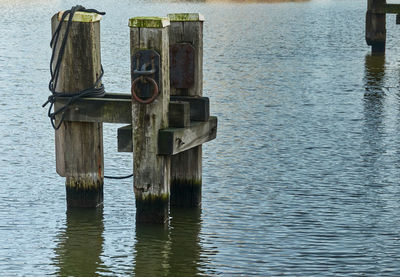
{"points": [[182, 65], [145, 63]]}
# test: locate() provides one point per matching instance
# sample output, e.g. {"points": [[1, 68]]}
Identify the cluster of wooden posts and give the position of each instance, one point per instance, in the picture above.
{"points": [[168, 117], [375, 25]]}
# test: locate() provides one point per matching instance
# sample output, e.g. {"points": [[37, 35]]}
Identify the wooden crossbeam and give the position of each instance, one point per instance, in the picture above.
{"points": [[199, 106], [179, 114], [392, 8], [116, 108], [113, 108], [172, 141]]}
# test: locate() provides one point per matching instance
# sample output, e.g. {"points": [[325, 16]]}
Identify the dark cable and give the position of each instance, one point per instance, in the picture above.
{"points": [[119, 177], [97, 90]]}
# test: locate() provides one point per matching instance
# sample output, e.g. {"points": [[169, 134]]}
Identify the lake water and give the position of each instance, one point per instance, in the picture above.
{"points": [[302, 180]]}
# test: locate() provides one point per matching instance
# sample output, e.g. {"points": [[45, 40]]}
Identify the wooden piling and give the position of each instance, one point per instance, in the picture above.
{"points": [[151, 171], [79, 145], [375, 26], [186, 167]]}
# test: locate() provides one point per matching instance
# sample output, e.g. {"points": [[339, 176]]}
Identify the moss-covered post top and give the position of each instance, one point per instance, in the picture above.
{"points": [[148, 22], [81, 17], [185, 17]]}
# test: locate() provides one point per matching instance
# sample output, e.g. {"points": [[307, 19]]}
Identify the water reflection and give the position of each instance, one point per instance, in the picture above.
{"points": [[81, 243], [170, 251], [373, 111], [374, 74]]}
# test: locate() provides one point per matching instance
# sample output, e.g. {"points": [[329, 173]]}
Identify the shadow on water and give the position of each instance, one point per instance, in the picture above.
{"points": [[80, 244], [170, 251], [373, 109]]}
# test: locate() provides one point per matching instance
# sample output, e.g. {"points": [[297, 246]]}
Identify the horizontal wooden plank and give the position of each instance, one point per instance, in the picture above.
{"points": [[199, 107], [392, 8], [179, 114], [113, 108], [116, 108], [172, 141]]}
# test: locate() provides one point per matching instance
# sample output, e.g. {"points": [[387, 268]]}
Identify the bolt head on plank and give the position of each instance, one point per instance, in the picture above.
{"points": [[185, 17], [81, 17], [148, 22]]}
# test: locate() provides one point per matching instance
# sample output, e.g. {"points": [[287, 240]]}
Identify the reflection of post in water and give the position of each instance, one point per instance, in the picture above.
{"points": [[80, 244], [374, 73], [152, 249], [373, 109], [173, 251], [185, 248]]}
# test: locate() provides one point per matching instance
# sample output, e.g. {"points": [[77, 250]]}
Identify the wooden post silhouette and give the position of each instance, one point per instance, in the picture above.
{"points": [[375, 26]]}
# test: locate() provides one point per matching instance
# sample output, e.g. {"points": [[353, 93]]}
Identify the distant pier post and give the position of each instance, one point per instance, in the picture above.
{"points": [[186, 58], [79, 145], [149, 44], [375, 27]]}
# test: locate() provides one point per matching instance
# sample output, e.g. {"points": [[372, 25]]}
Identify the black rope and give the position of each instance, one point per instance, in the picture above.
{"points": [[97, 90], [119, 177]]}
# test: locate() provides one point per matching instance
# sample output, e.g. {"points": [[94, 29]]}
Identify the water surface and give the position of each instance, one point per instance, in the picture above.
{"points": [[303, 179]]}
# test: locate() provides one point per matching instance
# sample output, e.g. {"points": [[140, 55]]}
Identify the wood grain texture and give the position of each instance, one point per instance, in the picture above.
{"points": [[182, 183], [190, 32], [107, 110], [199, 107], [116, 108], [124, 135], [151, 171], [173, 141], [179, 114], [79, 146]]}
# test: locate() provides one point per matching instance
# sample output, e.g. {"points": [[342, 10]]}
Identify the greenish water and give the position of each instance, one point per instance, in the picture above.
{"points": [[303, 179]]}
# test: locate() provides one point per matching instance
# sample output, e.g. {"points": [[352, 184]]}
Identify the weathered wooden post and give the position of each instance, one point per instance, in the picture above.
{"points": [[79, 145], [186, 59], [375, 26], [150, 75]]}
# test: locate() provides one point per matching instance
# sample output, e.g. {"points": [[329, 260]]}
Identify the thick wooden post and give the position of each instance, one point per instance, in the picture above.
{"points": [[186, 167], [151, 171], [79, 146], [375, 26]]}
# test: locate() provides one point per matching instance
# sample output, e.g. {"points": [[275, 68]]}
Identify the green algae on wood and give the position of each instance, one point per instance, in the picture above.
{"points": [[185, 192], [152, 208], [148, 22], [84, 194], [185, 17], [81, 17], [79, 145], [151, 171]]}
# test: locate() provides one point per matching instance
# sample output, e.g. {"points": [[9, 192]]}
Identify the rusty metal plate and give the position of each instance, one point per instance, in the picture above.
{"points": [[143, 61], [181, 65]]}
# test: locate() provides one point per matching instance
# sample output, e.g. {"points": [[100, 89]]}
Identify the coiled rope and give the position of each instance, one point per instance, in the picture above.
{"points": [[97, 90]]}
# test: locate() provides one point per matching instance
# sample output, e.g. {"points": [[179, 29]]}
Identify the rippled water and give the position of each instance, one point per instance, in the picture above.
{"points": [[303, 179]]}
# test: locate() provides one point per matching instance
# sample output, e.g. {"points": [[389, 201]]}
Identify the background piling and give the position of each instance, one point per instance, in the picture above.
{"points": [[375, 27], [186, 167]]}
